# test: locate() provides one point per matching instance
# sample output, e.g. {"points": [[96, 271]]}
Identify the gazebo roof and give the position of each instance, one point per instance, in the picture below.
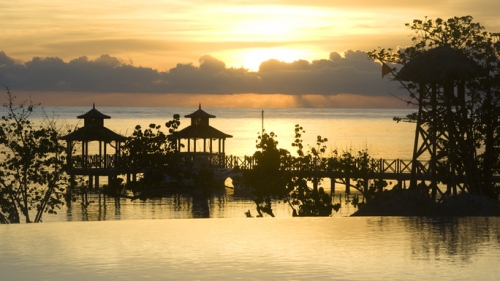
{"points": [[200, 131], [93, 134], [199, 114], [439, 64], [93, 114]]}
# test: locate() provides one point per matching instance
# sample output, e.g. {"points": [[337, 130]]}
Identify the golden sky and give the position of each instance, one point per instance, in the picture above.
{"points": [[159, 34]]}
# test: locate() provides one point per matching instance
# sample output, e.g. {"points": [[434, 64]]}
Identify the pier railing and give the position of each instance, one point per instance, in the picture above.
{"points": [[108, 161], [323, 165], [328, 165]]}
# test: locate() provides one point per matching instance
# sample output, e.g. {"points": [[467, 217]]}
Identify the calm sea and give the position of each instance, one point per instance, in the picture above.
{"points": [[377, 248], [157, 239]]}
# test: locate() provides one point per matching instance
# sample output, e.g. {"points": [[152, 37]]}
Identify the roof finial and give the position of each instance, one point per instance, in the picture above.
{"points": [[93, 106], [200, 105]]}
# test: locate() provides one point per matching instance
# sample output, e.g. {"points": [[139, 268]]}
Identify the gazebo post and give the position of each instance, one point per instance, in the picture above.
{"points": [[68, 151], [87, 153], [105, 156], [83, 164], [100, 154], [117, 155]]}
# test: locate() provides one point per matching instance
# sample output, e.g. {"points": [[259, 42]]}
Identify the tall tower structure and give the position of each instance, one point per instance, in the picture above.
{"points": [[444, 145]]}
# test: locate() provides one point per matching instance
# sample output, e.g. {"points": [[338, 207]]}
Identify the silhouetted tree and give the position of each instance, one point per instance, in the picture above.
{"points": [[307, 201], [32, 178], [268, 178], [279, 175], [153, 151]]}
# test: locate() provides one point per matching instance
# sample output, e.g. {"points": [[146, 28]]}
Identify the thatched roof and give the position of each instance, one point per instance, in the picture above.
{"points": [[199, 114], [93, 114], [397, 202], [93, 134], [437, 65], [201, 132]]}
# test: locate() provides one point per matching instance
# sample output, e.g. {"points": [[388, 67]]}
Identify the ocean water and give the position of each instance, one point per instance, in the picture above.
{"points": [[357, 248]]}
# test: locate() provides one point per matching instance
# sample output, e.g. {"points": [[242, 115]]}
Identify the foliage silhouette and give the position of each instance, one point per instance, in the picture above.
{"points": [[277, 175], [268, 179], [32, 178], [153, 152]]}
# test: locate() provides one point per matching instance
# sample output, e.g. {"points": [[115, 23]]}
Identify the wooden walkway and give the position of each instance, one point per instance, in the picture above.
{"points": [[341, 172], [389, 168], [372, 169]]}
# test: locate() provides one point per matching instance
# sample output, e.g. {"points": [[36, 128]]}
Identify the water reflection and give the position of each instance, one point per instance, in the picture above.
{"points": [[456, 237], [200, 208], [253, 249], [446, 239], [220, 203]]}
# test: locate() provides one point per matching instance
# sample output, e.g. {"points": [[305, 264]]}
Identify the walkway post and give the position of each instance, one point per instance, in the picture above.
{"points": [[332, 186]]}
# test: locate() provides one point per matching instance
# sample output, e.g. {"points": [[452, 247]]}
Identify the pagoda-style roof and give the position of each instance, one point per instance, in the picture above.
{"points": [[437, 65], [199, 114], [200, 132], [93, 114], [93, 134], [200, 127], [93, 129]]}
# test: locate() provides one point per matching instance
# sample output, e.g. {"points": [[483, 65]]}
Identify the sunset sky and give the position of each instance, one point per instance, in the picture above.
{"points": [[179, 53]]}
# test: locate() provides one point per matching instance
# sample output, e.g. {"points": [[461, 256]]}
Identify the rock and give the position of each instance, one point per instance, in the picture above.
{"points": [[397, 202]]}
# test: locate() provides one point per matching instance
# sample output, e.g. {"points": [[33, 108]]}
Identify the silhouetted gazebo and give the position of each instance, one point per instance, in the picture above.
{"points": [[200, 129], [100, 162]]}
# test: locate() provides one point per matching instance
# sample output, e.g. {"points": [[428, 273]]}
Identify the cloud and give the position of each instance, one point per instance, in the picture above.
{"points": [[349, 73], [352, 74], [5, 60]]}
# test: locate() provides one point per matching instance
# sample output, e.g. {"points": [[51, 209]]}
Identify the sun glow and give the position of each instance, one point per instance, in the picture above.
{"points": [[271, 23], [252, 58]]}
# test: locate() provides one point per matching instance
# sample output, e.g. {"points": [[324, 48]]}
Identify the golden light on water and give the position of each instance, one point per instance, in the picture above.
{"points": [[230, 249], [220, 101]]}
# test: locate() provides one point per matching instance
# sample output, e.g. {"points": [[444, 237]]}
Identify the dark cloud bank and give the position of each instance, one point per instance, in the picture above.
{"points": [[352, 74]]}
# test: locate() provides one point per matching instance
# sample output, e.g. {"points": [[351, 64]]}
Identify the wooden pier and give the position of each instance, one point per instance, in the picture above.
{"points": [[399, 170]]}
